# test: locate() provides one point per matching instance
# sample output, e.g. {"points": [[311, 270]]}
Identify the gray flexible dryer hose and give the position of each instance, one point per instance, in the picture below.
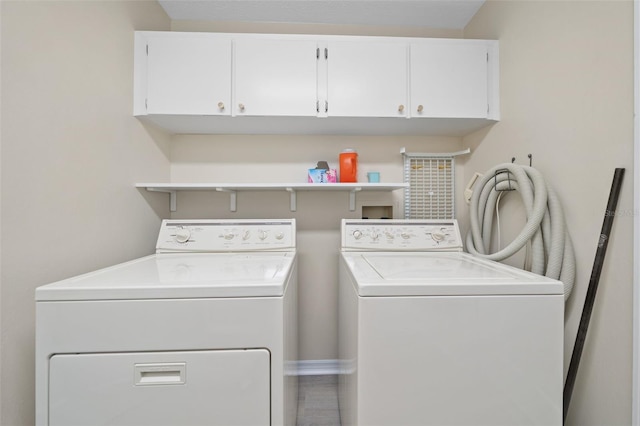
{"points": [[551, 247]]}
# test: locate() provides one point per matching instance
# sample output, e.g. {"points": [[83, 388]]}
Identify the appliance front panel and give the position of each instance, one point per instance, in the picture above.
{"points": [[218, 388], [459, 360]]}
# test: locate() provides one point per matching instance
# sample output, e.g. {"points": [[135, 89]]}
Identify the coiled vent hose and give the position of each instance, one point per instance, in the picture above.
{"points": [[552, 252]]}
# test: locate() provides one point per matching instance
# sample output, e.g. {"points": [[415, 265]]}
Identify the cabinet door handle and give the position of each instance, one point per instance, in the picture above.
{"points": [[420, 108], [221, 105], [241, 106], [400, 108]]}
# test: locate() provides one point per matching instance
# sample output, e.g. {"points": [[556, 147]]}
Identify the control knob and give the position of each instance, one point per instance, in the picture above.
{"points": [[357, 234], [183, 235], [262, 235], [437, 236]]}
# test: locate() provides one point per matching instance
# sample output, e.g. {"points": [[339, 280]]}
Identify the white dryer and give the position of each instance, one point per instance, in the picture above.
{"points": [[429, 335], [202, 332]]}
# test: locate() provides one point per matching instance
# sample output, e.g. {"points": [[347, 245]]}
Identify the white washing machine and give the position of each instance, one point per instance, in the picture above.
{"points": [[202, 332], [429, 335]]}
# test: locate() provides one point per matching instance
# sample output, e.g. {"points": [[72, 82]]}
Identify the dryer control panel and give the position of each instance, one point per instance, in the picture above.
{"points": [[401, 235], [222, 235]]}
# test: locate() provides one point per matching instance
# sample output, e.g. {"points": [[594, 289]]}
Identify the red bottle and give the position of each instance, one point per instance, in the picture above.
{"points": [[348, 166]]}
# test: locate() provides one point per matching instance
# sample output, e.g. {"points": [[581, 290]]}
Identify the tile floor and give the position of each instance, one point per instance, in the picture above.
{"points": [[318, 401]]}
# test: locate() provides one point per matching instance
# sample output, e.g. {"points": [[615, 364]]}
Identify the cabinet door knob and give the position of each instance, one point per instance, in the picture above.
{"points": [[420, 108], [400, 108], [221, 105], [241, 106]]}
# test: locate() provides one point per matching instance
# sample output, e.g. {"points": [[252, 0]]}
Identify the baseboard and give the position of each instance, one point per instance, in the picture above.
{"points": [[317, 367]]}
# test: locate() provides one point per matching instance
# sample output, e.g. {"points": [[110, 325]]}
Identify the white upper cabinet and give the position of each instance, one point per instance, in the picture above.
{"points": [[449, 79], [315, 84], [366, 79], [275, 77], [188, 74]]}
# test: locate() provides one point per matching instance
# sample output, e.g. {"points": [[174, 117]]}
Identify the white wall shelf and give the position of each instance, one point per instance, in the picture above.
{"points": [[233, 188]]}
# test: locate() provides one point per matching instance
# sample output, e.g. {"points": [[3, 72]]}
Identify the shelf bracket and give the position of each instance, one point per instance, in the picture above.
{"points": [[352, 198], [233, 201], [293, 199], [173, 197]]}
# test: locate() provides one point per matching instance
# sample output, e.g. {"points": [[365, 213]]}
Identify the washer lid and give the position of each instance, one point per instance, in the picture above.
{"points": [[441, 274], [175, 276]]}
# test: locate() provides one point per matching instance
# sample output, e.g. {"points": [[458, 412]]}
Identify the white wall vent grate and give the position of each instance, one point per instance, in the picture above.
{"points": [[431, 191]]}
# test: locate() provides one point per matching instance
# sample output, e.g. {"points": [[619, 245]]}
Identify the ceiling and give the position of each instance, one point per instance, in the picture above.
{"points": [[447, 14]]}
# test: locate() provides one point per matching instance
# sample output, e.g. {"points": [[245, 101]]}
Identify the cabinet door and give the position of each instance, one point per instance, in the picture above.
{"points": [[449, 80], [188, 74], [367, 79], [275, 77]]}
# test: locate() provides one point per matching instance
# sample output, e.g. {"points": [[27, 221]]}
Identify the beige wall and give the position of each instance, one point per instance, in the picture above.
{"points": [[278, 158], [71, 151], [290, 28], [566, 76]]}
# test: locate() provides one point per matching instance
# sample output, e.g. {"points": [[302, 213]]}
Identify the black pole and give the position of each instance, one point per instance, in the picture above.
{"points": [[609, 215]]}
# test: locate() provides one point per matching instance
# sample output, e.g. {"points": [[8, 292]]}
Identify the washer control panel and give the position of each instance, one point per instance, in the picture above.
{"points": [[213, 235], [401, 235]]}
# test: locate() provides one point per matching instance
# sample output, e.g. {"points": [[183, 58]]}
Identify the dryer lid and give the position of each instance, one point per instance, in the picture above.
{"points": [[177, 276], [440, 274]]}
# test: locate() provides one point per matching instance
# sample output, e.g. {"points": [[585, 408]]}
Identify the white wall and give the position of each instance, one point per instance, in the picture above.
{"points": [[566, 76], [71, 152]]}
